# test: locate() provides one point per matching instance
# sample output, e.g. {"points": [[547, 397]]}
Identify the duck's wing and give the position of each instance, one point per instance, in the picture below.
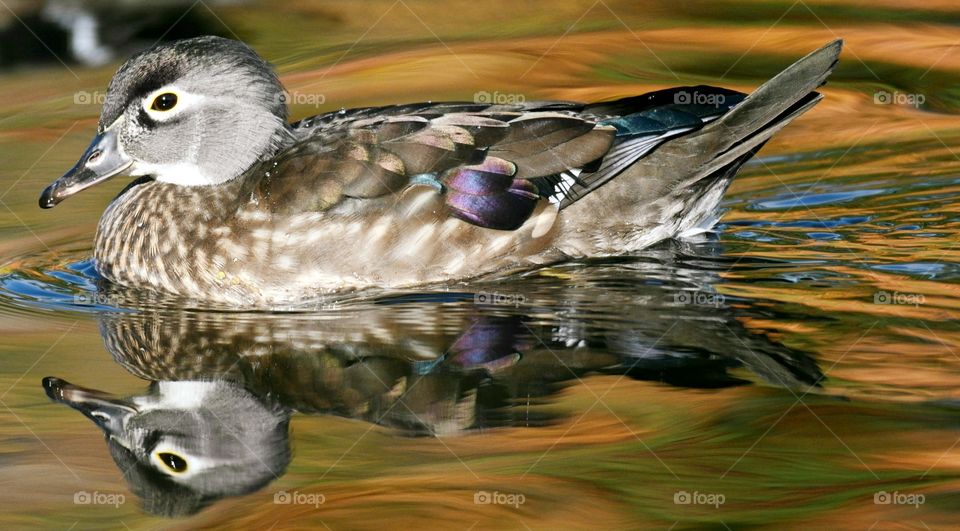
{"points": [[492, 164]]}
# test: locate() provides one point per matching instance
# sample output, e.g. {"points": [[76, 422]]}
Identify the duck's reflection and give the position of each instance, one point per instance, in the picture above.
{"points": [[183, 445], [214, 422]]}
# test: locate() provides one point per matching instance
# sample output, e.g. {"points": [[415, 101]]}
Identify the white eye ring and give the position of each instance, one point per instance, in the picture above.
{"points": [[170, 460], [194, 464], [182, 100]]}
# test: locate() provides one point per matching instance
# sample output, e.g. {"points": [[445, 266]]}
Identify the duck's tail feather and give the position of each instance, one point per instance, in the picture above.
{"points": [[642, 123], [693, 143]]}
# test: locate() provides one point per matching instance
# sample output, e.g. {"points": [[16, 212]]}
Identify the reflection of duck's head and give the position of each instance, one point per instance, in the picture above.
{"points": [[186, 444]]}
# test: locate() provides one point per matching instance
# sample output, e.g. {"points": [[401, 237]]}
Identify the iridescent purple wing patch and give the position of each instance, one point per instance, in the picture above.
{"points": [[488, 196]]}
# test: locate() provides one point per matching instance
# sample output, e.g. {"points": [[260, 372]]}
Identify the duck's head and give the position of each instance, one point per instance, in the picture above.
{"points": [[195, 112], [184, 445]]}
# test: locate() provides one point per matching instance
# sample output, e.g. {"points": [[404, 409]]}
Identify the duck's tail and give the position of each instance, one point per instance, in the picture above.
{"points": [[676, 186]]}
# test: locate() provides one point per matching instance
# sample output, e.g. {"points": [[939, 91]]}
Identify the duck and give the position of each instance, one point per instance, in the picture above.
{"points": [[231, 203]]}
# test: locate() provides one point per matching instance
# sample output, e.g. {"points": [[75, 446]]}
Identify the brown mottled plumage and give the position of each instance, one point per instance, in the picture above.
{"points": [[237, 206]]}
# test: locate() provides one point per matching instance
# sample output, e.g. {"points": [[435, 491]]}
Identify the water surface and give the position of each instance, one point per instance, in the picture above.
{"points": [[799, 368]]}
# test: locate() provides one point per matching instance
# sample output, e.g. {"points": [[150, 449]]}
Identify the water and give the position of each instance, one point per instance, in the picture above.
{"points": [[800, 368]]}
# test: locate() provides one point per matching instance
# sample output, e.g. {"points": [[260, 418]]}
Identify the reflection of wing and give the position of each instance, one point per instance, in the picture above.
{"points": [[491, 164], [699, 353]]}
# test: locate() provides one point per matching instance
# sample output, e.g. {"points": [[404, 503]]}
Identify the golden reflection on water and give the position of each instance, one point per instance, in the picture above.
{"points": [[884, 420]]}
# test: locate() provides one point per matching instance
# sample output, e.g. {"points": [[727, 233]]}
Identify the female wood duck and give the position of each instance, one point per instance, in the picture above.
{"points": [[233, 204]]}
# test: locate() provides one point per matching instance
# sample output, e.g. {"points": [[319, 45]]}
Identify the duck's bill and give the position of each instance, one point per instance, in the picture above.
{"points": [[105, 410], [101, 161]]}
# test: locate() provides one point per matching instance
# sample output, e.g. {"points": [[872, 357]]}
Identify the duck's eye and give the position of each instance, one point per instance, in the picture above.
{"points": [[173, 461], [164, 102]]}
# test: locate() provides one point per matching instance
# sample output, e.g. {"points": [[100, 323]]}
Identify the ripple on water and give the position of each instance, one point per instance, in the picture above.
{"points": [[796, 200], [921, 269]]}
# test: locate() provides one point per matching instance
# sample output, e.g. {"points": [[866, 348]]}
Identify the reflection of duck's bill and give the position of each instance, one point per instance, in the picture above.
{"points": [[106, 410]]}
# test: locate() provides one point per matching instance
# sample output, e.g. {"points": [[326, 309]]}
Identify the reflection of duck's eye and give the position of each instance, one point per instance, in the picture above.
{"points": [[164, 102], [173, 461]]}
